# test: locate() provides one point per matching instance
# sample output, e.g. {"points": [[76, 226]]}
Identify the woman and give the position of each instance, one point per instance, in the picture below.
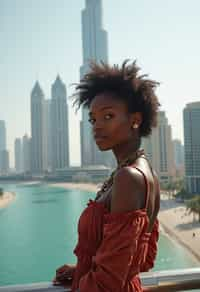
{"points": [[118, 231]]}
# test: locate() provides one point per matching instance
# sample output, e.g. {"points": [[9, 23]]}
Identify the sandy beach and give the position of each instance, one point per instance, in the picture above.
{"points": [[6, 199], [78, 186], [173, 217], [179, 224]]}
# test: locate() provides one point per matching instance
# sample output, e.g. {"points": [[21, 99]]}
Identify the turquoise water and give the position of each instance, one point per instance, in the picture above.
{"points": [[38, 232]]}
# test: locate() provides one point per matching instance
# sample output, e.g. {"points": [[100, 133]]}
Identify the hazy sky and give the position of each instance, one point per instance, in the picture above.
{"points": [[41, 38]]}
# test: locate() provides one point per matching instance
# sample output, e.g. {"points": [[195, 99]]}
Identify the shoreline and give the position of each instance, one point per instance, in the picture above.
{"points": [[173, 217], [90, 187], [178, 224], [180, 241], [7, 199]]}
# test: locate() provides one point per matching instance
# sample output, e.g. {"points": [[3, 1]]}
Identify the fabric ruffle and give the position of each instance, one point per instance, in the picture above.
{"points": [[113, 267], [152, 248], [113, 248]]}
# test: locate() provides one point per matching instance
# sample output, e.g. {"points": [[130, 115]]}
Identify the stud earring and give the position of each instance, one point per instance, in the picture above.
{"points": [[135, 126]]}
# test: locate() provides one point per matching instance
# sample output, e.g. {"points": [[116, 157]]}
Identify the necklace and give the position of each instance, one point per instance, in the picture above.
{"points": [[125, 162]]}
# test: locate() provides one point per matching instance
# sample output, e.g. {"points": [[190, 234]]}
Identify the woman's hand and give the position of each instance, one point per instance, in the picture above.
{"points": [[64, 275]]}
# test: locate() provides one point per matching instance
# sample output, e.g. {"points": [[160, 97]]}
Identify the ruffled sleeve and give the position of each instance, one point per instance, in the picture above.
{"points": [[152, 248], [89, 239], [114, 258]]}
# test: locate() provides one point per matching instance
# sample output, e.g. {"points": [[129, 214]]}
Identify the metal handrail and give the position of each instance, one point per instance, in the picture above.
{"points": [[171, 280], [165, 281]]}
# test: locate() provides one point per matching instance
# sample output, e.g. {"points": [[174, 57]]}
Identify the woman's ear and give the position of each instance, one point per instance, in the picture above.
{"points": [[136, 120]]}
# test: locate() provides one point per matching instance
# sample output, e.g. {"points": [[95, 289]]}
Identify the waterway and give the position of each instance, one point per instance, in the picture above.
{"points": [[38, 232]]}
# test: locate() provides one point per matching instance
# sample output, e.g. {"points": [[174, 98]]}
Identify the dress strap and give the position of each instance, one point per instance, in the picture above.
{"points": [[147, 186]]}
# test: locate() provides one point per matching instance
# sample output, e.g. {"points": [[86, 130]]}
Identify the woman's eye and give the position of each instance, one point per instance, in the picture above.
{"points": [[91, 121], [108, 117]]}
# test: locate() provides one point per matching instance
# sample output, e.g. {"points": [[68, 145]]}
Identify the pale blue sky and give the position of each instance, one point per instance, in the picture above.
{"points": [[39, 39]]}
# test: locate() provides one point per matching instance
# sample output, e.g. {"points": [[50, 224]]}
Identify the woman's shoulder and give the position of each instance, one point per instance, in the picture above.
{"points": [[128, 191]]}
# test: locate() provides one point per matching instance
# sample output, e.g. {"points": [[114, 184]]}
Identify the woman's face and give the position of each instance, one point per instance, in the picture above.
{"points": [[111, 122]]}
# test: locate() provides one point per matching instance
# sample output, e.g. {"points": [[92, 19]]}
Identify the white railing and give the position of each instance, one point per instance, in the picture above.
{"points": [[170, 280]]}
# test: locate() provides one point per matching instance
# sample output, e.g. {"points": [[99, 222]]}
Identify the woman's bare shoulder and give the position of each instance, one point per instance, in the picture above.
{"points": [[128, 191]]}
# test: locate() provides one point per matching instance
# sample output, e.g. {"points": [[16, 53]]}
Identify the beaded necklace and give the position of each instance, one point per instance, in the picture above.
{"points": [[125, 162]]}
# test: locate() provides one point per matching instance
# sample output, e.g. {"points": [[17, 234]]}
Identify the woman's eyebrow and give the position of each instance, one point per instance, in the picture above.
{"points": [[102, 109]]}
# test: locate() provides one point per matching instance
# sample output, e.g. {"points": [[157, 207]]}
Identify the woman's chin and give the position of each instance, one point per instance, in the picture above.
{"points": [[103, 147]]}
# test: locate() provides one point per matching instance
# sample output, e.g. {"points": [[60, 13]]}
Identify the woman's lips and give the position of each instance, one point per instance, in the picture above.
{"points": [[99, 138]]}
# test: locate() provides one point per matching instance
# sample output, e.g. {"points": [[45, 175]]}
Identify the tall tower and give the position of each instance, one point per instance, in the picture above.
{"points": [[4, 162], [47, 134], [178, 157], [26, 153], [59, 125], [94, 37], [2, 135], [2, 141], [159, 149], [18, 155], [191, 117], [94, 47], [37, 130]]}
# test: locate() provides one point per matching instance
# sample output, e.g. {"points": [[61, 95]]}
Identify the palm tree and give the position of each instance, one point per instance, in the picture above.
{"points": [[1, 192], [198, 205], [182, 194], [193, 206]]}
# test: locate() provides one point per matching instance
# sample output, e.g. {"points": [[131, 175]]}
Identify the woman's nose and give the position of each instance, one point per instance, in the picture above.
{"points": [[98, 125]]}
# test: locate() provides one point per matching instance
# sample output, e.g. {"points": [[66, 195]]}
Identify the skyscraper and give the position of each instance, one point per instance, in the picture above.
{"points": [[95, 47], [59, 125], [191, 117], [2, 135], [18, 155], [159, 149], [178, 157], [37, 130], [94, 37], [48, 133], [26, 150], [2, 140], [4, 162]]}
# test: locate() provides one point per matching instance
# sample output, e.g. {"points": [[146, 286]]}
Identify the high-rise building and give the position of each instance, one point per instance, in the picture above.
{"points": [[59, 125], [26, 153], [4, 162], [37, 130], [2, 135], [95, 47], [48, 133], [2, 140], [18, 155], [191, 117], [94, 37], [178, 157], [159, 149]]}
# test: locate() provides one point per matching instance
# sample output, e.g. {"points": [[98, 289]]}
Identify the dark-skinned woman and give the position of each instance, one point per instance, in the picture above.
{"points": [[118, 231]]}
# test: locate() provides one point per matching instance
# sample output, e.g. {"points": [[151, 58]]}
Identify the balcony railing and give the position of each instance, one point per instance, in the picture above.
{"points": [[165, 281]]}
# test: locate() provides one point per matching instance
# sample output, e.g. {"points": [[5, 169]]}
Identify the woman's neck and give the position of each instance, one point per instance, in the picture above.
{"points": [[123, 152]]}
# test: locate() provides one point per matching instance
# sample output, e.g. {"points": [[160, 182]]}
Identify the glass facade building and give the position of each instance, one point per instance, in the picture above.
{"points": [[191, 117]]}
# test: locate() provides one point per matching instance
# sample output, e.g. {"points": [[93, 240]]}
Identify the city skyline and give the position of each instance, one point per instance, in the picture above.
{"points": [[37, 48]]}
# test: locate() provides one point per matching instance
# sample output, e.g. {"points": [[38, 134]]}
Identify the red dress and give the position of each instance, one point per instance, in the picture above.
{"points": [[113, 249]]}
